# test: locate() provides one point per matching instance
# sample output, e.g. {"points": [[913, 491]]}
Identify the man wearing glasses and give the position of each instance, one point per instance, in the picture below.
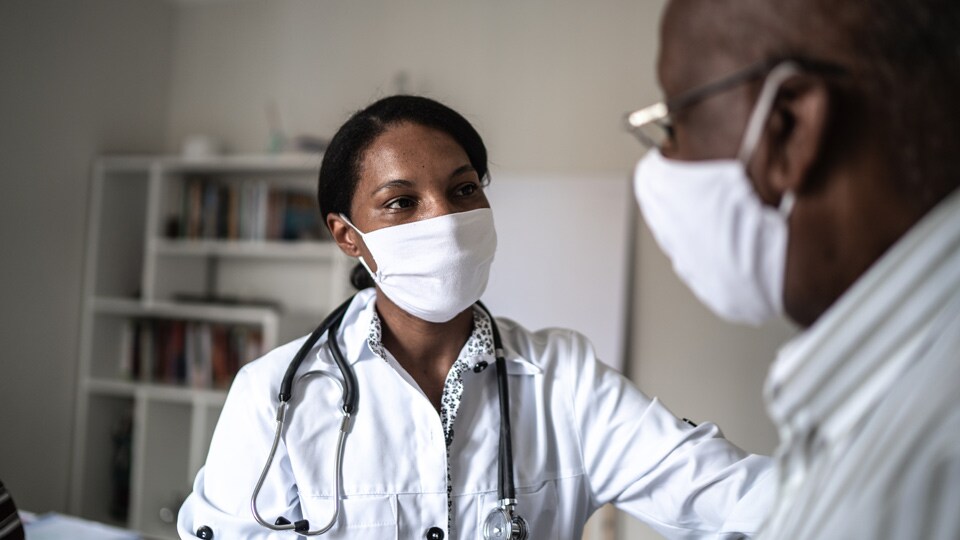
{"points": [[805, 162]]}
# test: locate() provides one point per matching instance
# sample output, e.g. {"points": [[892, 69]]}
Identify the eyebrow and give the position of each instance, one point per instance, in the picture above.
{"points": [[401, 183], [462, 169], [392, 184]]}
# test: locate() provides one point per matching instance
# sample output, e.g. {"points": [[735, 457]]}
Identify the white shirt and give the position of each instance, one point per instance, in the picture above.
{"points": [[472, 358], [583, 436], [867, 400]]}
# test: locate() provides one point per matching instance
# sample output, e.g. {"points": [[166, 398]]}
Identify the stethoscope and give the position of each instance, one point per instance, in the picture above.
{"points": [[502, 522]]}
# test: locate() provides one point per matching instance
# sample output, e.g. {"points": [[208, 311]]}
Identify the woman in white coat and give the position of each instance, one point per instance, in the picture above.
{"points": [[401, 189]]}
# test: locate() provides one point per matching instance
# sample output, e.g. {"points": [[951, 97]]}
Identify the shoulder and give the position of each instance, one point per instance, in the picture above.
{"points": [[274, 361], [547, 347], [260, 379], [268, 370]]}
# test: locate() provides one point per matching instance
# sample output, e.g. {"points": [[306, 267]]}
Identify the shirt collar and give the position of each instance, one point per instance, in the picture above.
{"points": [[844, 363], [479, 345], [355, 329]]}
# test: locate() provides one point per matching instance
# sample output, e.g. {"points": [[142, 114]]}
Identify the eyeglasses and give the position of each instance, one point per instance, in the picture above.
{"points": [[653, 125]]}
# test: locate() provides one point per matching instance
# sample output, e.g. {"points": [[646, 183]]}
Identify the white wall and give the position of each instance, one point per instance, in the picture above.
{"points": [[551, 271], [79, 77], [545, 81]]}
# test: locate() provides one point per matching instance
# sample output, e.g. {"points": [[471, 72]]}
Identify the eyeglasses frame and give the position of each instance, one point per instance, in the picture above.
{"points": [[659, 113]]}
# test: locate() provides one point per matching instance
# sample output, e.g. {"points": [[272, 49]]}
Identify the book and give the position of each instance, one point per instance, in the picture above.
{"points": [[146, 351], [193, 211], [209, 210], [125, 369], [219, 353], [301, 217], [248, 210], [192, 353], [233, 214]]}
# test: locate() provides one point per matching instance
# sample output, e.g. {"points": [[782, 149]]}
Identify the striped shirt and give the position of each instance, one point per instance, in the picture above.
{"points": [[867, 400]]}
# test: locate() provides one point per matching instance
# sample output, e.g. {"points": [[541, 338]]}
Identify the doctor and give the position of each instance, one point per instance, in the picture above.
{"points": [[401, 189]]}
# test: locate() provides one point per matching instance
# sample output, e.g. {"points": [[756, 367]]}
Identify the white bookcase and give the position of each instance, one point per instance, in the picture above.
{"points": [[132, 430]]}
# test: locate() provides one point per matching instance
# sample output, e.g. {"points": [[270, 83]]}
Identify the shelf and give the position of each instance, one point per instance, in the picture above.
{"points": [[155, 391], [105, 387], [302, 250], [254, 293], [244, 164], [125, 307]]}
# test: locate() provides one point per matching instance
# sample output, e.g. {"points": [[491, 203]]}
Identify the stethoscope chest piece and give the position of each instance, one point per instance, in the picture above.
{"points": [[501, 523]]}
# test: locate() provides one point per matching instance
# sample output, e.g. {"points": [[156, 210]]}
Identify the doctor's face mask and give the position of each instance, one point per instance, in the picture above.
{"points": [[723, 241], [433, 268]]}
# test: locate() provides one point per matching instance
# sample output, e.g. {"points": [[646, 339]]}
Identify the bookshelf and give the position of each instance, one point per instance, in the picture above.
{"points": [[193, 267]]}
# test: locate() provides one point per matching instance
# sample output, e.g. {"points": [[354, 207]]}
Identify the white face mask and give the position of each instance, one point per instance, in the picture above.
{"points": [[726, 244], [434, 268]]}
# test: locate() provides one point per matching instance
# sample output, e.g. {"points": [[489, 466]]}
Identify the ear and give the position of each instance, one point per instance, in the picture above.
{"points": [[343, 234], [795, 134]]}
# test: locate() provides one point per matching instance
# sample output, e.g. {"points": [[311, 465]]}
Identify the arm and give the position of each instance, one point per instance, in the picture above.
{"points": [[238, 452], [684, 481]]}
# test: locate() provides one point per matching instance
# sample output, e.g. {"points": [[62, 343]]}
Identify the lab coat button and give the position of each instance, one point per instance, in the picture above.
{"points": [[434, 533], [480, 366], [205, 532]]}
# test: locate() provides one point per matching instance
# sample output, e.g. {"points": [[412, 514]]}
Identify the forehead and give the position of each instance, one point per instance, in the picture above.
{"points": [[701, 41], [408, 146]]}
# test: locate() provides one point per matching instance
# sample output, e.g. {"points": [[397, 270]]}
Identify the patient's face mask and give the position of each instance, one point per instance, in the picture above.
{"points": [[434, 268], [726, 244]]}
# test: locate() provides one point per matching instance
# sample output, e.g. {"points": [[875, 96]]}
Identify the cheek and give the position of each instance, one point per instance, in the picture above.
{"points": [[361, 211], [714, 128], [698, 141], [691, 143]]}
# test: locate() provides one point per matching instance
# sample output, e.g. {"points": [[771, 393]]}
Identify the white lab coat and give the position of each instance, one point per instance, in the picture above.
{"points": [[583, 436]]}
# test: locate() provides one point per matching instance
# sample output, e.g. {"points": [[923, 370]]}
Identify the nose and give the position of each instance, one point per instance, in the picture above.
{"points": [[439, 205]]}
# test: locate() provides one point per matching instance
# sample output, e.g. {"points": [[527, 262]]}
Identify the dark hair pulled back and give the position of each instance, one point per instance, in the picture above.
{"points": [[343, 158]]}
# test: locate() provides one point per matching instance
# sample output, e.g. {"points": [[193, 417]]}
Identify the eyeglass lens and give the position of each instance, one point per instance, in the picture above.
{"points": [[652, 135]]}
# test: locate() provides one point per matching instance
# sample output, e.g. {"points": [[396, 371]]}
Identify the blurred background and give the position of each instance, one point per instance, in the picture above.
{"points": [[545, 82]]}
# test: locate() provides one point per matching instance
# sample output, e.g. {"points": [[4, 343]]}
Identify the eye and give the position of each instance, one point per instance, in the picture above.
{"points": [[468, 189], [399, 203]]}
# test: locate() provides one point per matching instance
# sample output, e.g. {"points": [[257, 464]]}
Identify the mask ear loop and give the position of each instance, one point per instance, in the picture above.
{"points": [[363, 262], [787, 200], [761, 111], [758, 119]]}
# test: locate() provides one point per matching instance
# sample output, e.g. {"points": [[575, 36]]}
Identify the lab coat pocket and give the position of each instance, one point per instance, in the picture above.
{"points": [[538, 505], [362, 517]]}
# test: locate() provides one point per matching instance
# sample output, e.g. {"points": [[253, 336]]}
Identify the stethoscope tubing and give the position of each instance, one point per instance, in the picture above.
{"points": [[297, 526], [506, 489], [332, 324]]}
